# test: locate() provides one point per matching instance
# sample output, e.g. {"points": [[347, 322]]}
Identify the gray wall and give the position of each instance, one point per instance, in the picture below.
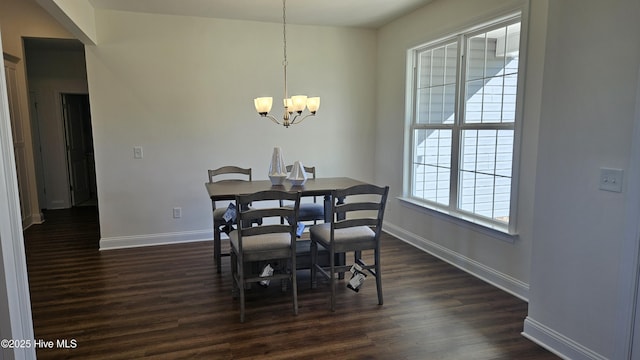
{"points": [[183, 87], [587, 122], [580, 101]]}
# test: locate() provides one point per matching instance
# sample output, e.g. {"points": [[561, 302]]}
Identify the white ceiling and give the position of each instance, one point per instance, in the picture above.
{"points": [[356, 13]]}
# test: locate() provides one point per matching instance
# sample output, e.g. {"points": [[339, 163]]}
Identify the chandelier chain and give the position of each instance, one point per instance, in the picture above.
{"points": [[284, 41]]}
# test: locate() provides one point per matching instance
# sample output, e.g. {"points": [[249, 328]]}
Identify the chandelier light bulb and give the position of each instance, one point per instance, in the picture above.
{"points": [[313, 103], [263, 105], [299, 103]]}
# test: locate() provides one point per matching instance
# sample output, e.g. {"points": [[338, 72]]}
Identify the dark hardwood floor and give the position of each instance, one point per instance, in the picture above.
{"points": [[168, 302]]}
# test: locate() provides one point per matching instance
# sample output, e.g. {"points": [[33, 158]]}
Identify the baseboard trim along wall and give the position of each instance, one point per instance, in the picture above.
{"points": [[498, 279], [122, 242], [556, 342]]}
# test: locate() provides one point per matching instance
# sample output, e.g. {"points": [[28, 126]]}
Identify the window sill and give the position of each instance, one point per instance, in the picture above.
{"points": [[485, 227]]}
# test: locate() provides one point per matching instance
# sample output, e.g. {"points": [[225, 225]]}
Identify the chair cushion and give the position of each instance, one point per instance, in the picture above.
{"points": [[263, 242], [357, 234]]}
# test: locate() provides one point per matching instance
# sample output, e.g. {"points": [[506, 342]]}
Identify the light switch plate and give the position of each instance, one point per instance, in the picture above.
{"points": [[611, 179], [137, 152]]}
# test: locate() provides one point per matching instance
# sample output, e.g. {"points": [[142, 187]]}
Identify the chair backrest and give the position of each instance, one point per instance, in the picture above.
{"points": [[308, 169], [230, 172], [364, 206], [265, 205]]}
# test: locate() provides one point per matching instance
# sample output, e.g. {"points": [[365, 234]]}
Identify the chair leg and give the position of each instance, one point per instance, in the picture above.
{"points": [[241, 286], [332, 280], [314, 261], [234, 278], [217, 256], [378, 276], [341, 259], [294, 285]]}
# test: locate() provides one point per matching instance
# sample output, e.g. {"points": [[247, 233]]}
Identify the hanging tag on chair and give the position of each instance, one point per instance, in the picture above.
{"points": [[357, 278], [230, 213]]}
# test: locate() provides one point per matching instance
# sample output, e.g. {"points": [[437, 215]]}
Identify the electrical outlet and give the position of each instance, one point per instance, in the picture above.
{"points": [[611, 179], [177, 212]]}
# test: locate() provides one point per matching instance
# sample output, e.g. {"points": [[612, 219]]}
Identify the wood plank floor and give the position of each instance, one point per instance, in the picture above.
{"points": [[167, 302]]}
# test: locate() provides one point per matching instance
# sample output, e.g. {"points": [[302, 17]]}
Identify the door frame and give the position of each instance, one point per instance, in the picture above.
{"points": [[37, 149], [15, 300]]}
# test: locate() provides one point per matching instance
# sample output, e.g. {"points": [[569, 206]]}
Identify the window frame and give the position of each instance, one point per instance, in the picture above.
{"points": [[452, 210]]}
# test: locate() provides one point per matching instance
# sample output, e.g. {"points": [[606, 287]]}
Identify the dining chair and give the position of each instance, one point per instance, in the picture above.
{"points": [[356, 226], [223, 174], [310, 211], [269, 242]]}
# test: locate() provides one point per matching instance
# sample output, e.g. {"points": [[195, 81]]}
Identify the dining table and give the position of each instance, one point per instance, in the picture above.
{"points": [[321, 187]]}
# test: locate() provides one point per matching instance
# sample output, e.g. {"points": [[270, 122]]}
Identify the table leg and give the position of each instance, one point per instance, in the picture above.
{"points": [[340, 258], [327, 208], [340, 216]]}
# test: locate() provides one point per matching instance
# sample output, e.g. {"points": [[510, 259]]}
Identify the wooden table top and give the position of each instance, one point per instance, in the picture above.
{"points": [[228, 189]]}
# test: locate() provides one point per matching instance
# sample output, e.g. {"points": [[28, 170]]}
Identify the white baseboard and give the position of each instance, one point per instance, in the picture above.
{"points": [[38, 218], [121, 242], [498, 279], [556, 342], [26, 222]]}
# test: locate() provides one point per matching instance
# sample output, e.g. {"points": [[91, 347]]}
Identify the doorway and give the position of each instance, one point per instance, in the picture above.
{"points": [[79, 145], [58, 90]]}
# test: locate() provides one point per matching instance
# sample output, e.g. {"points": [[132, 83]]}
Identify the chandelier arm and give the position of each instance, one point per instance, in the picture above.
{"points": [[296, 121], [272, 118]]}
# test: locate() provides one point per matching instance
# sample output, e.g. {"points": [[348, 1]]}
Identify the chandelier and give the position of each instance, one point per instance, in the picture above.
{"points": [[293, 106]]}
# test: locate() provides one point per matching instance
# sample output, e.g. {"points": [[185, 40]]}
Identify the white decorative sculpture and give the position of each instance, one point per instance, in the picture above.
{"points": [[297, 176], [277, 168]]}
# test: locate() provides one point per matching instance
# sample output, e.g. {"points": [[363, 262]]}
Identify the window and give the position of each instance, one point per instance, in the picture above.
{"points": [[463, 123]]}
